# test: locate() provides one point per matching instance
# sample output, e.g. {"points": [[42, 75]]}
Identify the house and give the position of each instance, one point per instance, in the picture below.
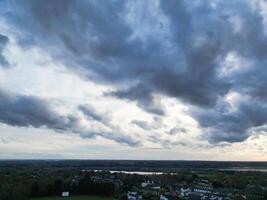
{"points": [[65, 194], [133, 196], [202, 190], [184, 192], [163, 197], [147, 183]]}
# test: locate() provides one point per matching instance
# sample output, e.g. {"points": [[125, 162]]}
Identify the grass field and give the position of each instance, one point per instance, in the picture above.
{"points": [[74, 198]]}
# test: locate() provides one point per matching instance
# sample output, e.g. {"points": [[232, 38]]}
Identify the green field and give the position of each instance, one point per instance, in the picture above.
{"points": [[74, 198]]}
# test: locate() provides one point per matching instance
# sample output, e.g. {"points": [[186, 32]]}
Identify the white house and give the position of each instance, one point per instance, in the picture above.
{"points": [[133, 196], [147, 183], [163, 197], [65, 194]]}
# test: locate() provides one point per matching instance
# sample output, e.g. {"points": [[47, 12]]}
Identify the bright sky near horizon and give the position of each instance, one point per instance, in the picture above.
{"points": [[156, 79]]}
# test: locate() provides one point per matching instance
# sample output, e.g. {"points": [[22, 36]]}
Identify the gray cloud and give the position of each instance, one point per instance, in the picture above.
{"points": [[177, 130], [166, 143], [3, 42], [142, 124], [179, 59], [226, 125], [113, 57], [30, 111], [116, 136], [4, 141], [91, 113], [156, 123], [144, 99]]}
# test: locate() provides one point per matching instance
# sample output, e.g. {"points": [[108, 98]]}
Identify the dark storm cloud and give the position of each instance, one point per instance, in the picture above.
{"points": [[224, 124], [144, 98], [179, 59], [97, 38], [3, 42], [29, 111]]}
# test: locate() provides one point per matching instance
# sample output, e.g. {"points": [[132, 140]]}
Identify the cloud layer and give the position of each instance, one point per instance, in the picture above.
{"points": [[30, 111], [3, 43], [207, 55]]}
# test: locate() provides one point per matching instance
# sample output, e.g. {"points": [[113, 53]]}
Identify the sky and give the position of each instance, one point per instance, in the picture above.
{"points": [[155, 79]]}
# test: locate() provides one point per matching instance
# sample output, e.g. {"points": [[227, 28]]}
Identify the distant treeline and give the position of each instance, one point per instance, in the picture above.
{"points": [[133, 164]]}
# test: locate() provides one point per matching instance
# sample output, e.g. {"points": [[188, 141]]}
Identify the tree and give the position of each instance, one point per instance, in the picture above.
{"points": [[265, 195], [35, 189], [14, 192], [58, 186]]}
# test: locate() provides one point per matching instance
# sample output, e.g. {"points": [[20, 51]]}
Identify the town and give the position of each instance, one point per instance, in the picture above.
{"points": [[37, 181]]}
